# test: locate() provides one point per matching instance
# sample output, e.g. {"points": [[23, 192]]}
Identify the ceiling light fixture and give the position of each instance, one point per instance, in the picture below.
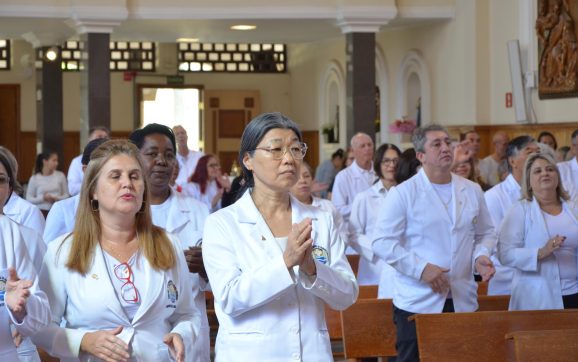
{"points": [[51, 54], [244, 27], [187, 40]]}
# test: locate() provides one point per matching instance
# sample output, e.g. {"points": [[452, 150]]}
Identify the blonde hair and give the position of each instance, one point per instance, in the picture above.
{"points": [[527, 193], [155, 244]]}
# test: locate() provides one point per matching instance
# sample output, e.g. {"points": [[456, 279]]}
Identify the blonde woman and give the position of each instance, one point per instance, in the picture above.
{"points": [[120, 284]]}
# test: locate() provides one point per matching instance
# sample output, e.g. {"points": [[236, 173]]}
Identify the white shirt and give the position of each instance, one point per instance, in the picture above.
{"points": [[24, 213], [536, 284], [569, 176], [39, 184], [61, 218], [562, 224], [193, 189], [348, 183], [372, 270], [267, 312], [75, 175], [187, 165], [13, 253], [491, 170], [500, 199], [413, 229]]}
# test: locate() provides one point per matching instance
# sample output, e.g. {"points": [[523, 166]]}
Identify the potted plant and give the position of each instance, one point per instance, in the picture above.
{"points": [[329, 132]]}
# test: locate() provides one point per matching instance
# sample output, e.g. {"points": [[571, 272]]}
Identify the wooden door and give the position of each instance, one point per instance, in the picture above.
{"points": [[10, 120], [227, 114]]}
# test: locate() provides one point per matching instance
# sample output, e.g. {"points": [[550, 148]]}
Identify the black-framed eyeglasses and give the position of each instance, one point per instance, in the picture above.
{"points": [[297, 150], [389, 161]]}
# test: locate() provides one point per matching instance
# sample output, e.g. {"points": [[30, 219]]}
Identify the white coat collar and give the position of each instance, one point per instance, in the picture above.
{"points": [[378, 189], [537, 217], [179, 211], [248, 213], [459, 197], [359, 172]]}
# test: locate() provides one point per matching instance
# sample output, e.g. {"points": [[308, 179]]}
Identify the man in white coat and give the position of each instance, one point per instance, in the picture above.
{"points": [[62, 215], [499, 200], [177, 214], [569, 169], [75, 170], [424, 230], [186, 157]]}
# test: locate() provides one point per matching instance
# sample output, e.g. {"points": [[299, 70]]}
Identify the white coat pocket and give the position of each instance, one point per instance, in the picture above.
{"points": [[163, 353]]}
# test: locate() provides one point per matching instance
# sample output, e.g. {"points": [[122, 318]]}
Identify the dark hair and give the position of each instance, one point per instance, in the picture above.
{"points": [[13, 165], [548, 134], [515, 146], [98, 128], [137, 136], [407, 166], [201, 174], [419, 136], [9, 172], [44, 156], [379, 156], [254, 133], [91, 146], [339, 153], [574, 134]]}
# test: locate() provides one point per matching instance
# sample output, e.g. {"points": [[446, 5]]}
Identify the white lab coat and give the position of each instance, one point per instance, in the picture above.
{"points": [[413, 228], [348, 183], [569, 175], [75, 175], [24, 213], [186, 218], [500, 199], [372, 270], [89, 303], [266, 312], [536, 284], [13, 253], [61, 218], [328, 206], [193, 190]]}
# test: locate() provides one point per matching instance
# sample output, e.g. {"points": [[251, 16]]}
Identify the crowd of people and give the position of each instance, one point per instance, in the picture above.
{"points": [[119, 268]]}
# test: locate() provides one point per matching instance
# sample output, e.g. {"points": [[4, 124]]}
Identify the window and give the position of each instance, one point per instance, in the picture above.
{"points": [[4, 54], [232, 57]]}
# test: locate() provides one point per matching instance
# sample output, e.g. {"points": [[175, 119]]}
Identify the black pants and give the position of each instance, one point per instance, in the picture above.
{"points": [[406, 344], [570, 301]]}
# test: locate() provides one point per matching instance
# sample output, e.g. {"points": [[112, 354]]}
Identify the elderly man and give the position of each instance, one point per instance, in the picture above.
{"points": [[75, 171], [435, 231], [502, 196], [569, 169], [494, 167], [187, 158], [357, 177]]}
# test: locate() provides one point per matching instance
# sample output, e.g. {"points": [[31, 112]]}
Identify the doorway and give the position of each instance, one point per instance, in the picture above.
{"points": [[171, 106]]}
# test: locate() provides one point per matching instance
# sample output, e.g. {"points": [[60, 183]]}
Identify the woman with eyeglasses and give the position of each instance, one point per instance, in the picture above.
{"points": [[22, 304], [207, 183], [363, 213], [274, 262], [118, 286]]}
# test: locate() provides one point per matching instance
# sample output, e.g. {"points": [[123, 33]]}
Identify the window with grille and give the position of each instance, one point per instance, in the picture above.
{"points": [[4, 54], [232, 57], [124, 56]]}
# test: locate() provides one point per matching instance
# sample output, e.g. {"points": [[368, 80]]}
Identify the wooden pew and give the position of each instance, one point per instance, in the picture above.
{"points": [[482, 288], [333, 317], [368, 329], [537, 346], [480, 336], [353, 260], [488, 303]]}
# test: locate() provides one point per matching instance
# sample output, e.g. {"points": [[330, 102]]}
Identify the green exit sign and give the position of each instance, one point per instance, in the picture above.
{"points": [[175, 79]]}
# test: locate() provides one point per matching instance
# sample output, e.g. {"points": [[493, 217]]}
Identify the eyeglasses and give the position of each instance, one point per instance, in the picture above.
{"points": [[128, 291], [4, 180], [389, 161], [297, 151], [214, 165]]}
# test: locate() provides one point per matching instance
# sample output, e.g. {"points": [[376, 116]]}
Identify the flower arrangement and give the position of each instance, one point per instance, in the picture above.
{"points": [[402, 126]]}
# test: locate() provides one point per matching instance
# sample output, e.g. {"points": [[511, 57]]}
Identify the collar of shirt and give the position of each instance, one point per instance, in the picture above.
{"points": [[355, 167]]}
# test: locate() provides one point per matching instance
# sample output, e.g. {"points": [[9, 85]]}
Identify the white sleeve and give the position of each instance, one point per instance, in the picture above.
{"points": [[339, 196], [55, 224], [389, 233], [74, 176], [32, 191], [358, 239], [512, 250]]}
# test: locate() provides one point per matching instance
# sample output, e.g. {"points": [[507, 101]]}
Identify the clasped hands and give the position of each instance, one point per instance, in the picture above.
{"points": [[436, 276], [550, 246], [17, 292], [299, 248]]}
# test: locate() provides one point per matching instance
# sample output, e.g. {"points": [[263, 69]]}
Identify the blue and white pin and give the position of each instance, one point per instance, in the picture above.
{"points": [[320, 254]]}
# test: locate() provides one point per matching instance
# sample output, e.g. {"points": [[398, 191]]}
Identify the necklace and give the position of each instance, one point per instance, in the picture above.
{"points": [[121, 253]]}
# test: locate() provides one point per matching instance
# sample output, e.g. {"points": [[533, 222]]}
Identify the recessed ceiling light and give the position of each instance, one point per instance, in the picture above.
{"points": [[243, 27], [187, 40]]}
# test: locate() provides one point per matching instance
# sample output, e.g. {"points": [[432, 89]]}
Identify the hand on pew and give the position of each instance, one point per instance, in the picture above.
{"points": [[485, 268], [436, 277]]}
